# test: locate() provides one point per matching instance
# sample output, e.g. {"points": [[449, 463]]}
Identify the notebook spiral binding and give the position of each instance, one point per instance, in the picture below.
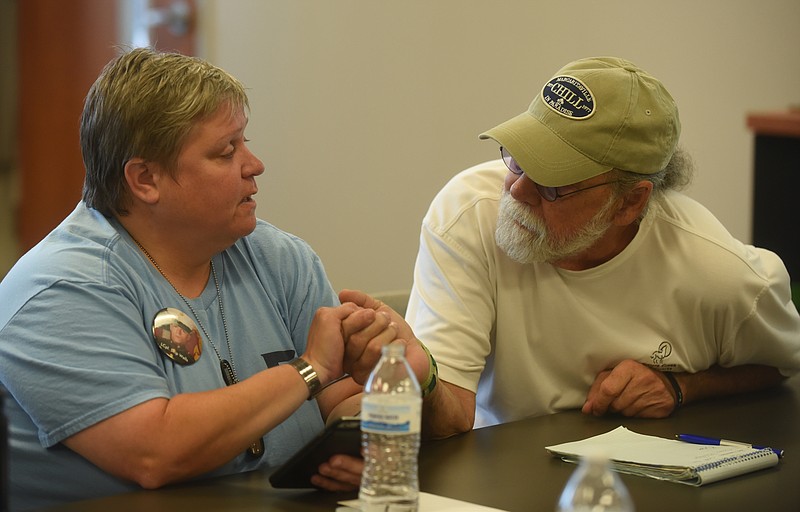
{"points": [[755, 455]]}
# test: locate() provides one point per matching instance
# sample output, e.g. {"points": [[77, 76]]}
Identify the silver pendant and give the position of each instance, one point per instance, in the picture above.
{"points": [[256, 449]]}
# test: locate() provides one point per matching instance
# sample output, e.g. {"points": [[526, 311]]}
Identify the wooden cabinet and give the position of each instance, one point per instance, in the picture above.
{"points": [[62, 47], [776, 186]]}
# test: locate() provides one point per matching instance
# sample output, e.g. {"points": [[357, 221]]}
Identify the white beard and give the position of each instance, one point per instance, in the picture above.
{"points": [[532, 243]]}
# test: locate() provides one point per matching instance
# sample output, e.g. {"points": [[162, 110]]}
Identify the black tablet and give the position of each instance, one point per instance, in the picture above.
{"points": [[341, 436]]}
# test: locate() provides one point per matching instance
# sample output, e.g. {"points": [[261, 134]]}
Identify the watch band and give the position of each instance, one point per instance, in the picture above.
{"points": [[433, 373], [678, 393], [309, 376]]}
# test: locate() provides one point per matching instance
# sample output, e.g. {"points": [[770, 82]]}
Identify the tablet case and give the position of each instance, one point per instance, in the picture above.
{"points": [[342, 436]]}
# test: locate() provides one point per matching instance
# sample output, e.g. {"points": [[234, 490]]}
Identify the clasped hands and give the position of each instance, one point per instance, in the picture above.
{"points": [[348, 339], [372, 326]]}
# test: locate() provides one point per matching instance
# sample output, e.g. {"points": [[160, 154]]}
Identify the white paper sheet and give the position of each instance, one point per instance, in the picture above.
{"points": [[429, 503]]}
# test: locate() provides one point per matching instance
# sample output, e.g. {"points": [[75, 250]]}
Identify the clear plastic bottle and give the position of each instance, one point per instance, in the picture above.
{"points": [[594, 487], [391, 413]]}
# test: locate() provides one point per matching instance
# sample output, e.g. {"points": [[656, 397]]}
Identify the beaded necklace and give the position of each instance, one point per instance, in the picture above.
{"points": [[228, 368]]}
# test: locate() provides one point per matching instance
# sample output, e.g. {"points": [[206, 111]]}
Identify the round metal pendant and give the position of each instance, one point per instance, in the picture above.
{"points": [[176, 335]]}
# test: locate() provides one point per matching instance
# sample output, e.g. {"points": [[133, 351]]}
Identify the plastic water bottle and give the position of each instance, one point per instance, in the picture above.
{"points": [[594, 487], [391, 413]]}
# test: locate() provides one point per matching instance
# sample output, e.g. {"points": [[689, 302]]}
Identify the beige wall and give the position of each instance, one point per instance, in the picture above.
{"points": [[362, 110]]}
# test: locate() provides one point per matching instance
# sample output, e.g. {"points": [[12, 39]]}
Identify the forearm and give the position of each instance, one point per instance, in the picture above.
{"points": [[718, 381], [447, 411], [343, 398], [164, 441]]}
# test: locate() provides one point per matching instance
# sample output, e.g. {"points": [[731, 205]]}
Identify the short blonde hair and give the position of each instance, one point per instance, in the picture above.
{"points": [[143, 104]]}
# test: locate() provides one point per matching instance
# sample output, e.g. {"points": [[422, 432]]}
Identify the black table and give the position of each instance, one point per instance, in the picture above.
{"points": [[506, 466]]}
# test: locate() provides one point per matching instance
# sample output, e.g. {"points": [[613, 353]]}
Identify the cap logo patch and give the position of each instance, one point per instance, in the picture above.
{"points": [[568, 97]]}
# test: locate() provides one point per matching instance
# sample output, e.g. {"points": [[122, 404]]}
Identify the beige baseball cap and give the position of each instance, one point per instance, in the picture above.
{"points": [[594, 115]]}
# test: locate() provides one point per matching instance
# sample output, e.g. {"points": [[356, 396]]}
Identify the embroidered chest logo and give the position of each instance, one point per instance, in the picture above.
{"points": [[663, 352]]}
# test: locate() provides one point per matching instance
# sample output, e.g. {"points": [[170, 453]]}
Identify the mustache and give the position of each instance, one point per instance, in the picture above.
{"points": [[519, 213], [525, 238]]}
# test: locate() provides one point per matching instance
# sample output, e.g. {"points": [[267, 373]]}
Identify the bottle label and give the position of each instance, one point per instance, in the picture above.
{"points": [[390, 418]]}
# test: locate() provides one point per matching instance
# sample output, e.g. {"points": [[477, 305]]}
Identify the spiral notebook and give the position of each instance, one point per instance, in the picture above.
{"points": [[667, 459]]}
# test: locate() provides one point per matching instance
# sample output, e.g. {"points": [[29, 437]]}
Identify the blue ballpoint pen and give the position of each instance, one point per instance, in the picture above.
{"points": [[691, 438]]}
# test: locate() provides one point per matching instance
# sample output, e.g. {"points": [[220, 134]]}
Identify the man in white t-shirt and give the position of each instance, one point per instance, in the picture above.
{"points": [[571, 273]]}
